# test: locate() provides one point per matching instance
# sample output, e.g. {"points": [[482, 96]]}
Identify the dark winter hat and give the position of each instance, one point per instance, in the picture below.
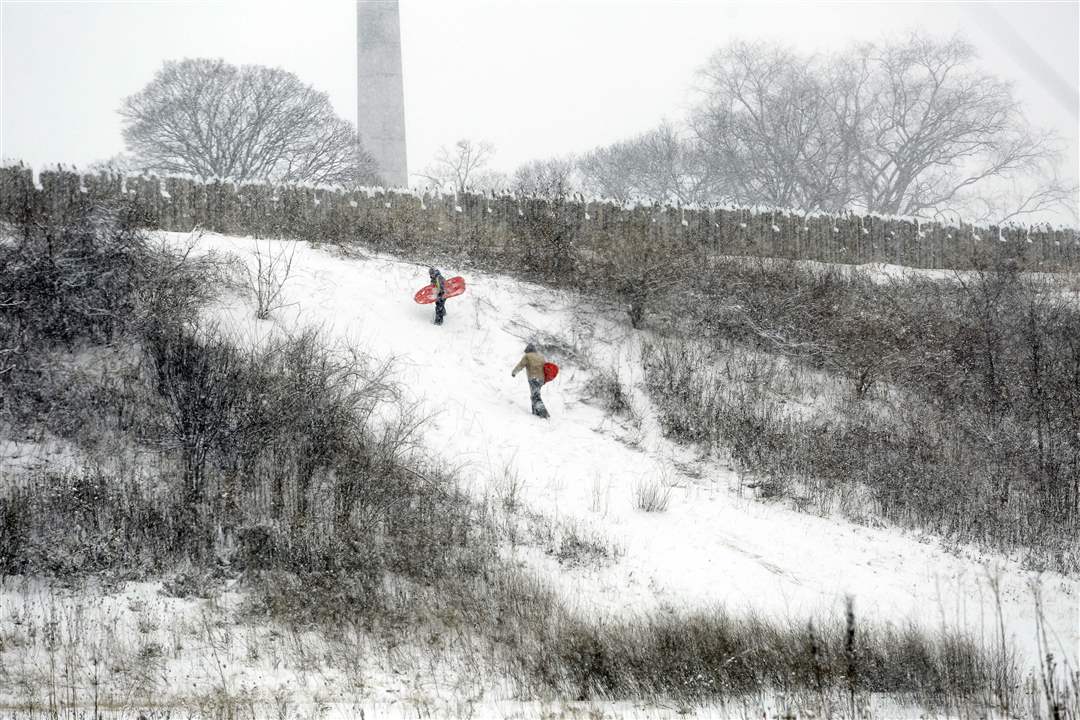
{"points": [[530, 348], [432, 271]]}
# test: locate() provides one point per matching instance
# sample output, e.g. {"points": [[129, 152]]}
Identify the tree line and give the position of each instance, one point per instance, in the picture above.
{"points": [[910, 127]]}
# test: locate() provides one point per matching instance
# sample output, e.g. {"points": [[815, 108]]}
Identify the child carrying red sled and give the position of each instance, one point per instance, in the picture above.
{"points": [[440, 298], [533, 364]]}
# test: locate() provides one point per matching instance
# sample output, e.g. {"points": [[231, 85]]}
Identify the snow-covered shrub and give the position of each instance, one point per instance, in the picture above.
{"points": [[265, 281], [90, 278], [192, 581], [578, 546], [967, 434], [199, 378], [509, 485], [607, 387], [651, 495], [639, 269], [694, 656], [76, 294], [547, 230], [82, 522]]}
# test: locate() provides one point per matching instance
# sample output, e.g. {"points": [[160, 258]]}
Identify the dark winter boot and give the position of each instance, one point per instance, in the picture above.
{"points": [[538, 408]]}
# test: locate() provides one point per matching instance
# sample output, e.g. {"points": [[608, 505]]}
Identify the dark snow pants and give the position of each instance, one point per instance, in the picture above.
{"points": [[538, 408], [440, 310]]}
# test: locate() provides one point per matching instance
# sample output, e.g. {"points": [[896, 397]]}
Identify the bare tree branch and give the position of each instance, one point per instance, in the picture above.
{"points": [[927, 128], [912, 127], [214, 120], [768, 130], [659, 166], [461, 167], [551, 179]]}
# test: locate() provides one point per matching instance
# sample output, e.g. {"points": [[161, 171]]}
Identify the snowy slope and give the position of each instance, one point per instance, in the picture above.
{"points": [[710, 546]]}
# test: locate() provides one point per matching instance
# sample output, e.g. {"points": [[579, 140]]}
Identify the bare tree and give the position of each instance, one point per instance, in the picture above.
{"points": [[1011, 201], [266, 281], [768, 131], [657, 166], [552, 178], [926, 126], [912, 127], [211, 119], [608, 171], [642, 268], [462, 167], [673, 166]]}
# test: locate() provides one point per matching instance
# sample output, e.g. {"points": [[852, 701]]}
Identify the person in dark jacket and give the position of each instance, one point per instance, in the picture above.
{"points": [[440, 298], [532, 362]]}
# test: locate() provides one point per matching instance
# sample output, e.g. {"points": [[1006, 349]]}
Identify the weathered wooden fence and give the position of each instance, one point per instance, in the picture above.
{"points": [[475, 220]]}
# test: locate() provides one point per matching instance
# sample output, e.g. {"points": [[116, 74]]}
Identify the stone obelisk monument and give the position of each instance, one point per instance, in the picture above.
{"points": [[380, 91]]}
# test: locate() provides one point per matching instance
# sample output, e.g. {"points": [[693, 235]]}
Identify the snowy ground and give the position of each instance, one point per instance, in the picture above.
{"points": [[710, 546], [581, 469]]}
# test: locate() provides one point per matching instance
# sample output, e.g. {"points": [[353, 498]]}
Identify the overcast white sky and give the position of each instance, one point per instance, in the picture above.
{"points": [[534, 77]]}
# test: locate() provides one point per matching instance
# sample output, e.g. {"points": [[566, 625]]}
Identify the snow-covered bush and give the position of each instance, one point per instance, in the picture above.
{"points": [[946, 405], [651, 495], [265, 282]]}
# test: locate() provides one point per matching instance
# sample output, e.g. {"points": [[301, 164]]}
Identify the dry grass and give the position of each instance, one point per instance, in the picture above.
{"points": [[651, 495], [943, 406], [265, 280], [85, 651], [294, 534]]}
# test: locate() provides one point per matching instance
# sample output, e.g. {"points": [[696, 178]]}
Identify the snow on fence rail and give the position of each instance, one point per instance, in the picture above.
{"points": [[474, 220]]}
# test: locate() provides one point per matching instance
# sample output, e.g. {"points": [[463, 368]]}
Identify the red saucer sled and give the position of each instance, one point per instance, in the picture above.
{"points": [[426, 295], [550, 371]]}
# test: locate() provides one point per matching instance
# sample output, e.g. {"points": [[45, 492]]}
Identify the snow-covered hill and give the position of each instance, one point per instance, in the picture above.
{"points": [[583, 467]]}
